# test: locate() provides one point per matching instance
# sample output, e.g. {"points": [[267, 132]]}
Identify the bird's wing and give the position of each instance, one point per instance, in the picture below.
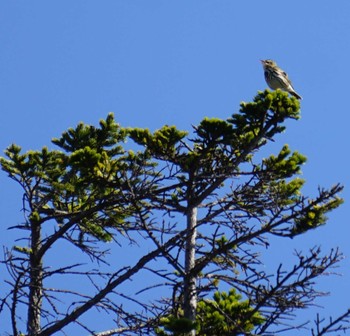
{"points": [[285, 78]]}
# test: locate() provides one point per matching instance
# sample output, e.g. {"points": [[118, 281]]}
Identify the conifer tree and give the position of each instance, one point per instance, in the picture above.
{"points": [[193, 211]]}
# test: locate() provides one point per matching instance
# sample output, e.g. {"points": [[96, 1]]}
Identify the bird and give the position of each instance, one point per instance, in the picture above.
{"points": [[276, 78]]}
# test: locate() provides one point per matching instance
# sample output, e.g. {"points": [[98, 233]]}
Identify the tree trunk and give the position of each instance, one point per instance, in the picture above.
{"points": [[190, 289], [36, 281]]}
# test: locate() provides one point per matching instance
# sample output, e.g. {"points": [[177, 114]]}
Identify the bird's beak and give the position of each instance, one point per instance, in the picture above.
{"points": [[262, 61]]}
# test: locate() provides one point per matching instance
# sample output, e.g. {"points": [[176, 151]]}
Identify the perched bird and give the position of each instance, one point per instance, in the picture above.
{"points": [[276, 78]]}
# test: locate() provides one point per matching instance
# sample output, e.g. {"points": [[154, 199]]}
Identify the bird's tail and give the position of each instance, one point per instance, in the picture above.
{"points": [[293, 93]]}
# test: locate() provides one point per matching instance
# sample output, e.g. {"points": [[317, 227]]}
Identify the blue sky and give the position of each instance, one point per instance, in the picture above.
{"points": [[176, 62]]}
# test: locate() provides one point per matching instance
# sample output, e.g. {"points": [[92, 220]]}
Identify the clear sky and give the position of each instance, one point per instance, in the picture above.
{"points": [[176, 62]]}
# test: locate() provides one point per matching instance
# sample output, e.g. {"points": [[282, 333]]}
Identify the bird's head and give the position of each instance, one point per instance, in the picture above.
{"points": [[268, 63]]}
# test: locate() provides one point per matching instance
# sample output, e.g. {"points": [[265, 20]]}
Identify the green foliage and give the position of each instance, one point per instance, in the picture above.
{"points": [[227, 314], [314, 214], [162, 143], [284, 165], [62, 184], [177, 326], [21, 249], [84, 136], [274, 107], [213, 132]]}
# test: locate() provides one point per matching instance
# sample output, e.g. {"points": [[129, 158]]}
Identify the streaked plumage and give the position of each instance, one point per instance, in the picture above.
{"points": [[276, 78]]}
